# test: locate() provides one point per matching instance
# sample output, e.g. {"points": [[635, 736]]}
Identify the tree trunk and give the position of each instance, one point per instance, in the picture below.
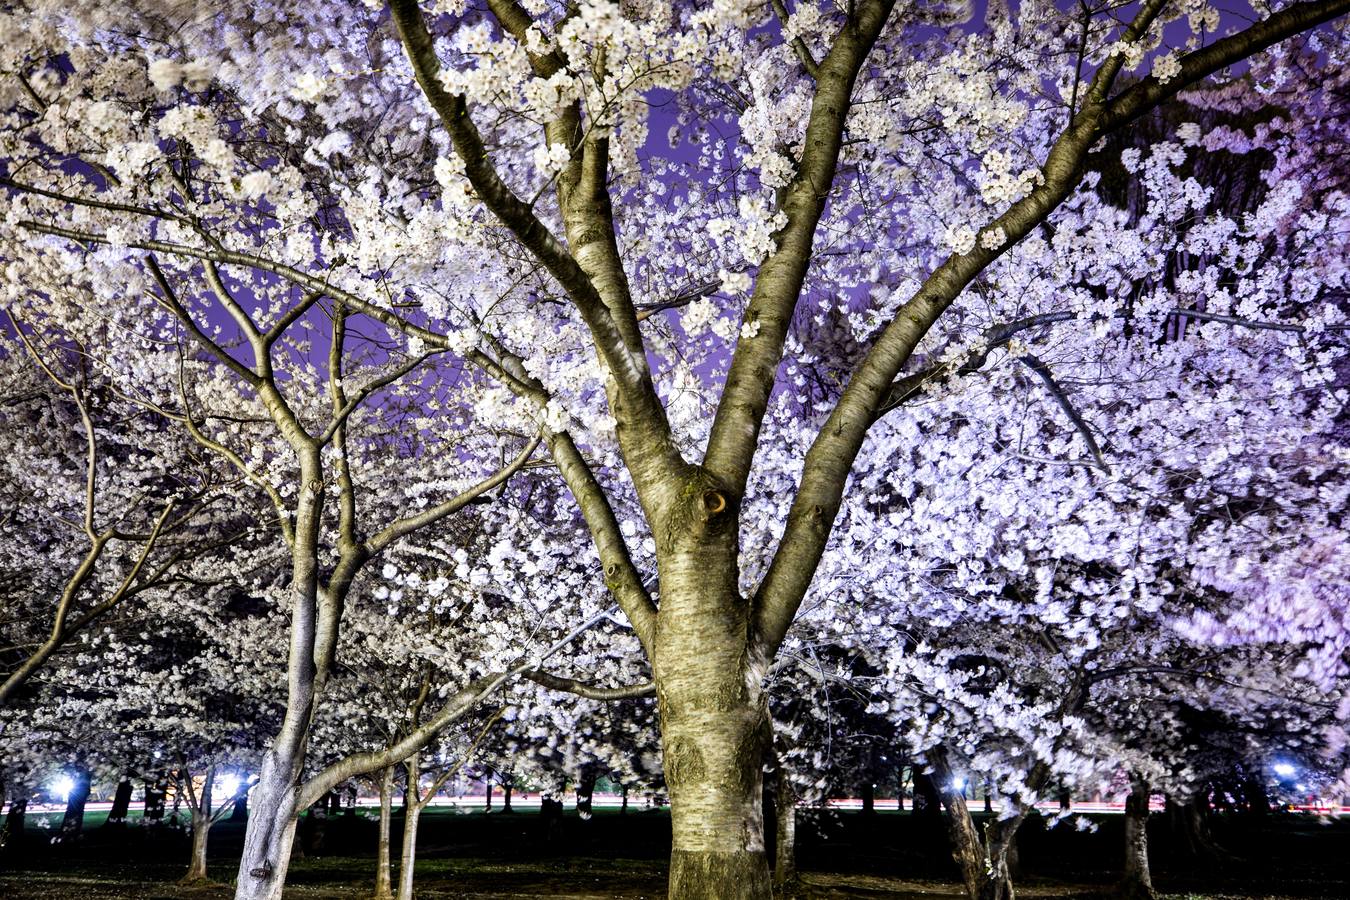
{"points": [[271, 828], [121, 803], [487, 805], [785, 832], [1258, 800], [984, 863], [270, 833], [585, 793], [869, 797], [201, 830], [153, 813], [240, 811], [72, 823], [999, 849], [1190, 831], [623, 804], [715, 727], [1136, 883], [506, 793], [408, 859], [11, 837], [384, 888], [927, 801]]}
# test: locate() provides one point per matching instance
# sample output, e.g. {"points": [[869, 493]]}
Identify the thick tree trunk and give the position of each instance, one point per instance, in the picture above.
{"points": [[999, 851], [985, 863], [927, 801], [1136, 883], [408, 859], [586, 793], [12, 835], [201, 830], [785, 832], [384, 888], [715, 727], [270, 834], [121, 803], [1190, 829], [869, 797], [72, 823]]}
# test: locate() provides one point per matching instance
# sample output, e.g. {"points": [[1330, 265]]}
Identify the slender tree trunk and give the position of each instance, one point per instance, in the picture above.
{"points": [[785, 832], [487, 805], [240, 811], [72, 823], [869, 796], [507, 785], [384, 888], [201, 830], [121, 803], [1136, 883], [715, 727], [11, 837], [408, 858], [623, 804], [270, 833]]}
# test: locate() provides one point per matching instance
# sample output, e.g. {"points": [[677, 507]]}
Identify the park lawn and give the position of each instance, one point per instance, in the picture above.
{"points": [[495, 857]]}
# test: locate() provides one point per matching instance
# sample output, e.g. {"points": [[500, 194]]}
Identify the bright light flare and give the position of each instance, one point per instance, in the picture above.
{"points": [[959, 783], [226, 786], [1284, 769], [62, 787]]}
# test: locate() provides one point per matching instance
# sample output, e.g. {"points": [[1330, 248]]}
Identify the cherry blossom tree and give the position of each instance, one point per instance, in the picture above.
{"points": [[865, 168]]}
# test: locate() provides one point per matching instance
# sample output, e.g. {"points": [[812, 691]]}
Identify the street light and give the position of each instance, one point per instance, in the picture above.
{"points": [[62, 787]]}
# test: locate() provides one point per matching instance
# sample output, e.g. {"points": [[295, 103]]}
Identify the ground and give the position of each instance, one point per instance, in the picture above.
{"points": [[495, 857]]}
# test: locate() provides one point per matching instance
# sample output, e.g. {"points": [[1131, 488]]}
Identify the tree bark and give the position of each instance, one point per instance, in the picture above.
{"points": [[487, 804], [586, 793], [984, 861], [384, 889], [271, 828], [413, 815], [121, 803], [785, 832], [153, 801], [927, 800], [240, 811], [1136, 883], [1190, 830], [507, 784], [715, 731], [72, 823], [270, 833], [999, 851], [11, 837], [201, 830]]}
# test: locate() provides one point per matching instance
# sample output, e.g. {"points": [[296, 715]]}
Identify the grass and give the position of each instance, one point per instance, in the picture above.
{"points": [[495, 857]]}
